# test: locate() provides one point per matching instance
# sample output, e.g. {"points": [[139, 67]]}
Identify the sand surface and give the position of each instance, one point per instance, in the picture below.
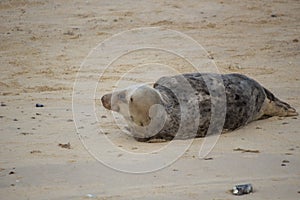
{"points": [[44, 43]]}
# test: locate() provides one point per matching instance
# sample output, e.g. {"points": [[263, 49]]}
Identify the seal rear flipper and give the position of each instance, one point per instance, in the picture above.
{"points": [[275, 107]]}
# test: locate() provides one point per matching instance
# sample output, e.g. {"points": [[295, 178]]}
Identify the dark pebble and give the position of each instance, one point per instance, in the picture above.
{"points": [[66, 146], [15, 120], [12, 185], [11, 172], [283, 165], [69, 33], [285, 161], [37, 113], [273, 15], [25, 133], [285, 123], [295, 40], [3, 104], [38, 105], [103, 116], [35, 151], [32, 117]]}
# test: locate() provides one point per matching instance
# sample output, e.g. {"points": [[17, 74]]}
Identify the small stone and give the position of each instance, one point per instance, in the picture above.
{"points": [[103, 116], [3, 104], [65, 146], [295, 40], [11, 172], [38, 105], [285, 161], [274, 15], [35, 151], [25, 133], [283, 165], [285, 123]]}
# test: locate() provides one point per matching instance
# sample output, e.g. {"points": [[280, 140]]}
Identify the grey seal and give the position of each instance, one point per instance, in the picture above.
{"points": [[191, 105]]}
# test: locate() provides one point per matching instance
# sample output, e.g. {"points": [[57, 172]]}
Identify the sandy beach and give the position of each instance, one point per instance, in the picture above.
{"points": [[51, 54]]}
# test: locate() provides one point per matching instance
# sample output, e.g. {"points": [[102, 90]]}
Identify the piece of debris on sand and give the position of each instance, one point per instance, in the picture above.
{"points": [[35, 151], [65, 146], [246, 150]]}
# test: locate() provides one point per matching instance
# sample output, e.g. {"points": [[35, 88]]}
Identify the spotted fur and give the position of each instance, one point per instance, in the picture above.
{"points": [[194, 105]]}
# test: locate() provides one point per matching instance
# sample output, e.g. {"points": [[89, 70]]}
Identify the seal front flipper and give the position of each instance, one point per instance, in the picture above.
{"points": [[275, 107]]}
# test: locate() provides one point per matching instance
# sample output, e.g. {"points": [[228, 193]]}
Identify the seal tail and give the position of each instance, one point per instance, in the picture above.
{"points": [[276, 107]]}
